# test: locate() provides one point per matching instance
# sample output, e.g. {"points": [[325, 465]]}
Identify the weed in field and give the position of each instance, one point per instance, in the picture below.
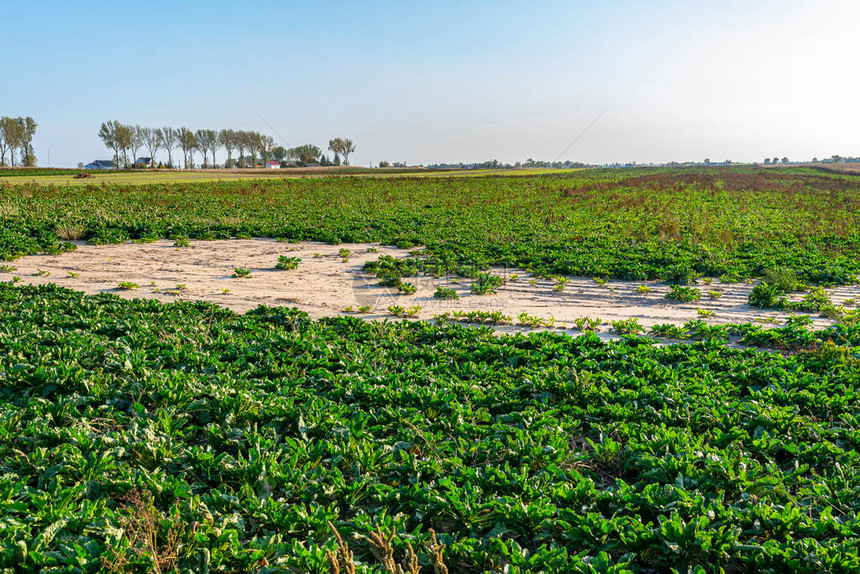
{"points": [[643, 289], [560, 284], [683, 294], [670, 331], [445, 293], [599, 280], [815, 300], [835, 312], [706, 313], [715, 294], [343, 253], [767, 296], [7, 269], [850, 319], [225, 291], [73, 274], [628, 326], [783, 278], [363, 309], [146, 537], [16, 280], [241, 272], [492, 317], [70, 232], [42, 273], [680, 275], [407, 288], [285, 262], [798, 321], [181, 241], [486, 283], [587, 323], [530, 320], [127, 285], [513, 277]]}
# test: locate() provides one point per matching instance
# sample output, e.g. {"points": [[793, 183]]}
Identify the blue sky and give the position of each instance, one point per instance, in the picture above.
{"points": [[428, 82]]}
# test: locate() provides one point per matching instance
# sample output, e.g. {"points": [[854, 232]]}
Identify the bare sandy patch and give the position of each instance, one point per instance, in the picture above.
{"points": [[326, 283]]}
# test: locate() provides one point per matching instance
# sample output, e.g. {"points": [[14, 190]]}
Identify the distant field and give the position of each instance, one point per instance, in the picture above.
{"points": [[51, 176], [628, 224]]}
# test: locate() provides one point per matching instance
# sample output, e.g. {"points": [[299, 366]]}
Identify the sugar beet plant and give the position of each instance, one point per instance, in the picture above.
{"points": [[286, 262], [235, 440]]}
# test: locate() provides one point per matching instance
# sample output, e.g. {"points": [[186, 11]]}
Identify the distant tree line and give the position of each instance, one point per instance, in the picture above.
{"points": [[496, 164], [835, 158], [251, 147], [16, 134]]}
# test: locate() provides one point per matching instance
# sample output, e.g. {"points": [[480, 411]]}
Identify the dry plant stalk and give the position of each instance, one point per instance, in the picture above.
{"points": [[380, 545], [435, 550], [411, 561], [343, 558], [141, 525], [381, 548]]}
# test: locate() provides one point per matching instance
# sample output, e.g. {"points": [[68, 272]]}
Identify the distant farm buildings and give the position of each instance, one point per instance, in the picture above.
{"points": [[101, 164]]}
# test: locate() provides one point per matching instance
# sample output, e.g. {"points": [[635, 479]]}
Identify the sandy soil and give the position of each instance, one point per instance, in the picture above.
{"points": [[325, 284]]}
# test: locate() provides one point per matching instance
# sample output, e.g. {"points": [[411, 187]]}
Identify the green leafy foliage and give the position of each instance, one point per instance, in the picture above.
{"points": [[445, 293], [286, 262], [767, 296], [674, 224], [486, 283], [243, 436], [628, 326], [683, 294]]}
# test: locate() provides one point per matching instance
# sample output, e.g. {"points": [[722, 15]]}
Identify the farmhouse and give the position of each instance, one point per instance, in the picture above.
{"points": [[144, 161], [101, 164], [274, 165]]}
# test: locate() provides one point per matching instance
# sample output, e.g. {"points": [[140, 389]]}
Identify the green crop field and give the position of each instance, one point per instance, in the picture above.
{"points": [[636, 225], [138, 436]]}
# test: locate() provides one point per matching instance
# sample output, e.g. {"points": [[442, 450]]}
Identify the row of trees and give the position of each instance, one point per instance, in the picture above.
{"points": [[249, 145], [122, 139], [16, 134]]}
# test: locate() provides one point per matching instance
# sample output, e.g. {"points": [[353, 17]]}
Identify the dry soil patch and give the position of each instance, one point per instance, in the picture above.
{"points": [[326, 283]]}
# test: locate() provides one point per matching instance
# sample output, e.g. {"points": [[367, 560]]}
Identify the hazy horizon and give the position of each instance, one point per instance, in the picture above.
{"points": [[447, 82]]}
